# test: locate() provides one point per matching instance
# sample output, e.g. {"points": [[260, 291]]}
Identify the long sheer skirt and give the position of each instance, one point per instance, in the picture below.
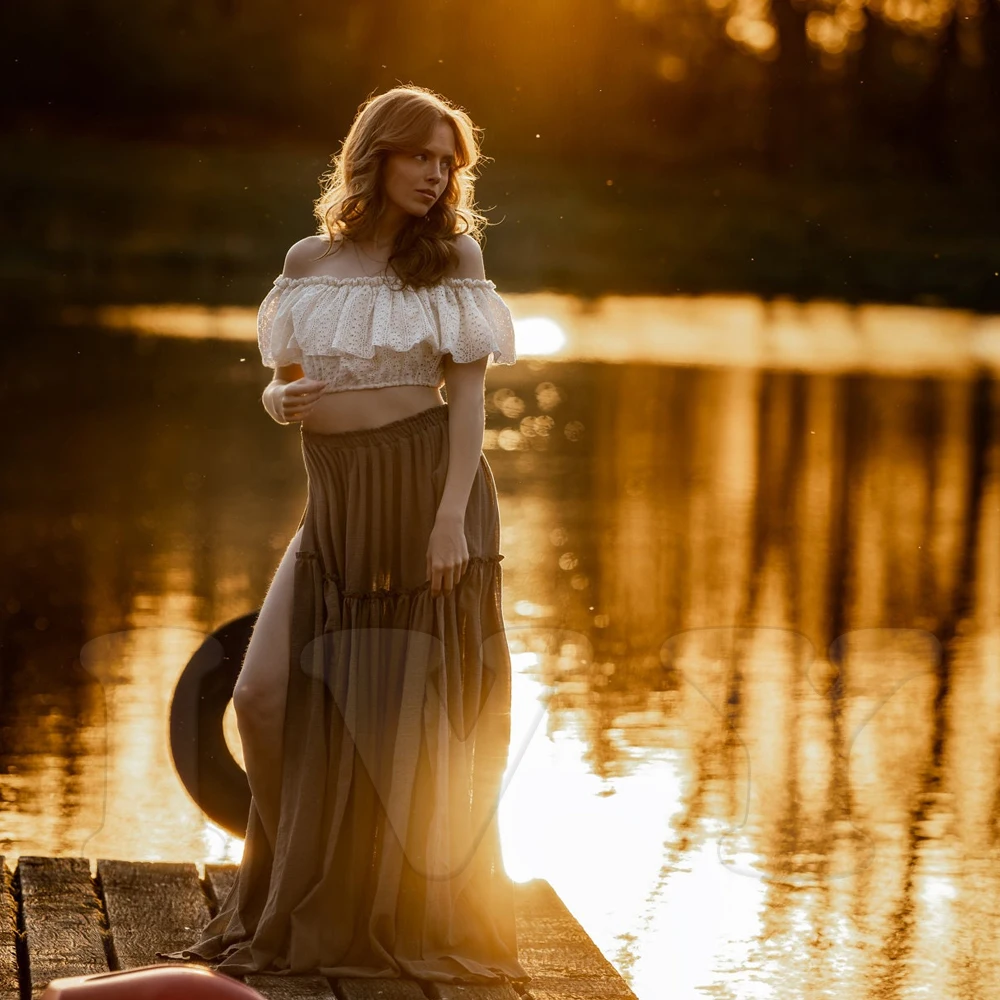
{"points": [[387, 858]]}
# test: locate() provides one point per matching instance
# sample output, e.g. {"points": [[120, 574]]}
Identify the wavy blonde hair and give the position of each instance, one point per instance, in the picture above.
{"points": [[352, 197]]}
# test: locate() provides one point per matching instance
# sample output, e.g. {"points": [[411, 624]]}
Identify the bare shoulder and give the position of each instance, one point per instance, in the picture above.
{"points": [[300, 261], [470, 258]]}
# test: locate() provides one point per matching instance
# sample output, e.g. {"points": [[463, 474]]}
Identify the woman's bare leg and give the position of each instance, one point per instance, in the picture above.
{"points": [[259, 695]]}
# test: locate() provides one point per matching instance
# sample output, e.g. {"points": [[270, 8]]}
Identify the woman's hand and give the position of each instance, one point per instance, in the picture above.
{"points": [[294, 400], [447, 554]]}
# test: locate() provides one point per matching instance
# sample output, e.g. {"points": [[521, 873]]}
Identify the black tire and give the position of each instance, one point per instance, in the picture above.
{"points": [[204, 764]]}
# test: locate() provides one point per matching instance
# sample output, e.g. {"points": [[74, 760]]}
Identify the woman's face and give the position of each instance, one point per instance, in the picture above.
{"points": [[410, 173]]}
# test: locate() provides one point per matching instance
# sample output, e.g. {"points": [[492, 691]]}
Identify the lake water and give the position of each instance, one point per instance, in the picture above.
{"points": [[752, 587]]}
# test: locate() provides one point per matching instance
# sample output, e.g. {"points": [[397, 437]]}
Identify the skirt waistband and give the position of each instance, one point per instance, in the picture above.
{"points": [[395, 430]]}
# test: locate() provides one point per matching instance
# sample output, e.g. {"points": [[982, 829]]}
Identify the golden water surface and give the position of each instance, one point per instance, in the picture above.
{"points": [[752, 587]]}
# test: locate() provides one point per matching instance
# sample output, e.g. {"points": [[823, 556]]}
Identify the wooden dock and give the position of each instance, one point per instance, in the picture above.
{"points": [[57, 920]]}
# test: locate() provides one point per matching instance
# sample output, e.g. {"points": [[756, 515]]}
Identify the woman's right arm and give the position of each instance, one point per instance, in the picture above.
{"points": [[298, 263], [272, 396]]}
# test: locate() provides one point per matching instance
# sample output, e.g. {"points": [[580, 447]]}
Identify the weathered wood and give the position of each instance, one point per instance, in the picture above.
{"points": [[557, 952], [290, 987], [221, 879], [155, 907], [9, 989], [151, 907], [452, 991], [379, 989], [62, 920]]}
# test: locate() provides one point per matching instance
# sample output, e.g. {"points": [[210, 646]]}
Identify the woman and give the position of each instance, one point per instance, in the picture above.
{"points": [[373, 703]]}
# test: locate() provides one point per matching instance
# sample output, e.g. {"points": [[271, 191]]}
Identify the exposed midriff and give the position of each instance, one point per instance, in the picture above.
{"points": [[361, 409]]}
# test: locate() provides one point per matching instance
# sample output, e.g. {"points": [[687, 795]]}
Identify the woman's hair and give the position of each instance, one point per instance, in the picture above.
{"points": [[352, 196]]}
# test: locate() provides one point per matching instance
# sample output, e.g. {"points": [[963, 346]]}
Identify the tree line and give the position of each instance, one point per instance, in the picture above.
{"points": [[824, 86]]}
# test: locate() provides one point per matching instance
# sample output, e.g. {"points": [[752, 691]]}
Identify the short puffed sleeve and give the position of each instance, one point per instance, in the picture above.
{"points": [[474, 322], [275, 326]]}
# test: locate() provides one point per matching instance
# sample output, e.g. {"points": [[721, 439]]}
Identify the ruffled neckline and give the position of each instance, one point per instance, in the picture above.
{"points": [[377, 279], [360, 315]]}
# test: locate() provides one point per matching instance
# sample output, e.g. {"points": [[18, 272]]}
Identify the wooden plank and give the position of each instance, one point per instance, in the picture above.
{"points": [[62, 920], [152, 906], [379, 989], [454, 991], [557, 952], [220, 879], [9, 989], [155, 906], [290, 987]]}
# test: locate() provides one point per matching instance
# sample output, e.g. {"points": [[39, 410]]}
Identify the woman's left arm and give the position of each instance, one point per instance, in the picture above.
{"points": [[448, 551], [466, 428], [447, 548]]}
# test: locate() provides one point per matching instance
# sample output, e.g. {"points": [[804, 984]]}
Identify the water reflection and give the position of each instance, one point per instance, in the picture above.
{"points": [[754, 618], [728, 330]]}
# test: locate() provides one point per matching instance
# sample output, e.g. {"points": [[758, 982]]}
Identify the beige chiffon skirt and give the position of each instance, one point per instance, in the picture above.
{"points": [[387, 860]]}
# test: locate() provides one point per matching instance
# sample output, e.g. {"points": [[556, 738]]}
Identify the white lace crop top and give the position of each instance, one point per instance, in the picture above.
{"points": [[371, 331]]}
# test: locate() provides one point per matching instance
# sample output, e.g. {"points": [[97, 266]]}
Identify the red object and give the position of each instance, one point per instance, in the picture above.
{"points": [[151, 982]]}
